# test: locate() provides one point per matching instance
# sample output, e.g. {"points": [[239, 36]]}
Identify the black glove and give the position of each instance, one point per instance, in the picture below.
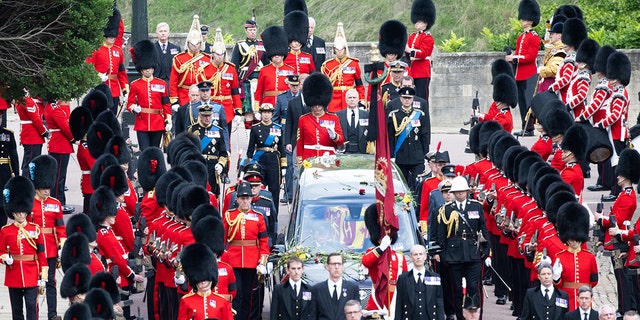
{"points": [[45, 134]]}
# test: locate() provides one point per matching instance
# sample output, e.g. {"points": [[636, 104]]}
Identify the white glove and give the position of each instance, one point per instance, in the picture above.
{"points": [[385, 243], [175, 107], [269, 267], [487, 262], [557, 270], [168, 126], [103, 77], [179, 280], [42, 283], [238, 120], [136, 108], [284, 171], [257, 115], [262, 269], [8, 260], [218, 168], [546, 259], [332, 133]]}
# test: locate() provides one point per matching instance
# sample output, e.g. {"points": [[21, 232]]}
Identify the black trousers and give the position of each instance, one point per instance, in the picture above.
{"points": [[270, 162], [499, 262], [442, 269], [250, 294], [30, 151], [615, 188], [30, 297], [213, 181], [116, 105], [86, 203], [61, 177], [411, 172], [522, 104], [149, 139], [520, 284], [605, 174], [624, 288], [472, 271], [52, 296], [171, 308]]}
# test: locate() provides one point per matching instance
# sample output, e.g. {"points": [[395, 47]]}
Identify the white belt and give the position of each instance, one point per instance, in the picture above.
{"points": [[54, 130], [85, 171], [26, 122], [319, 147]]}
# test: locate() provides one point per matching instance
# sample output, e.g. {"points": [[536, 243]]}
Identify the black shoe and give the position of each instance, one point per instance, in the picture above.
{"points": [[609, 198], [587, 175], [511, 308], [68, 209], [597, 187], [66, 188], [488, 281], [283, 200], [451, 317], [501, 300]]}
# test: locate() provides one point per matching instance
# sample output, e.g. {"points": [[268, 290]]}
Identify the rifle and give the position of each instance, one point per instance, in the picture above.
{"points": [[475, 106], [612, 222]]}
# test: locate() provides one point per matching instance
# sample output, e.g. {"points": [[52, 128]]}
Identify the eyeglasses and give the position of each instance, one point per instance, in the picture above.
{"points": [[352, 312], [335, 264]]}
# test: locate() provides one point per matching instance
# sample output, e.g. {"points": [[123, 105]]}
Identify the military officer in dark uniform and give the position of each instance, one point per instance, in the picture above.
{"points": [[266, 148], [544, 302], [8, 162], [462, 232], [408, 136], [391, 90], [212, 145]]}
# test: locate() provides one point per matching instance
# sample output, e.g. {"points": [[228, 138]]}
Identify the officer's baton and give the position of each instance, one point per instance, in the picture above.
{"points": [[499, 277]]}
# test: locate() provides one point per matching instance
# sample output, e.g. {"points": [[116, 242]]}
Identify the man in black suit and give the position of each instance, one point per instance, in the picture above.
{"points": [[204, 31], [295, 109], [544, 302], [187, 115], [418, 291], [355, 124], [315, 46], [330, 296], [292, 299], [584, 312], [166, 51]]}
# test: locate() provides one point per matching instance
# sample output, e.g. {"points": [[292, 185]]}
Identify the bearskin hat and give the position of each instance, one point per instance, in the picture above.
{"points": [[80, 120], [181, 143], [541, 185], [103, 204], [81, 223], [75, 250], [203, 211], [115, 179], [210, 231], [619, 68], [492, 142], [199, 172], [182, 172], [77, 311], [104, 88], [600, 62], [75, 280], [501, 147], [574, 32], [555, 201], [174, 193], [576, 140], [151, 166], [96, 101], [392, 38], [587, 53], [529, 10], [118, 147], [100, 304], [425, 11], [144, 55], [573, 222], [526, 162], [532, 177], [539, 101], [190, 155], [629, 165], [42, 171], [485, 132], [578, 11], [113, 24], [97, 138], [474, 138], [501, 66], [102, 163], [556, 186], [566, 10], [317, 90], [107, 117], [199, 264], [162, 187], [293, 5], [296, 25], [599, 148], [508, 159], [190, 198], [505, 90], [18, 195], [556, 119], [371, 222], [105, 281], [275, 41]]}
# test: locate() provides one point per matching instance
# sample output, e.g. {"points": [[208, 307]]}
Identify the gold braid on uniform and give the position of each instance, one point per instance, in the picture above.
{"points": [[234, 225], [402, 125], [251, 51], [453, 219], [27, 237]]}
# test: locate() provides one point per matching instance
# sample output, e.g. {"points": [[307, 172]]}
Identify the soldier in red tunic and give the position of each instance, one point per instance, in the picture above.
{"points": [[574, 32], [225, 82], [420, 46], [319, 132], [79, 121], [272, 78], [343, 72], [60, 147], [574, 149], [32, 130], [505, 97], [579, 86], [81, 223], [296, 25], [23, 250]]}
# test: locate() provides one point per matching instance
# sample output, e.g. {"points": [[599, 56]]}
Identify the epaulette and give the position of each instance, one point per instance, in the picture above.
{"points": [[628, 190], [584, 75], [151, 193], [256, 124], [136, 80], [393, 112], [103, 230], [265, 198], [241, 41], [7, 225], [432, 177]]}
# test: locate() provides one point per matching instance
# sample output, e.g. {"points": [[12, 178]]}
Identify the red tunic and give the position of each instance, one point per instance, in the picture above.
{"points": [[526, 52], [225, 89], [427, 186], [344, 75], [57, 118], [197, 306], [152, 95], [24, 272], [123, 229], [397, 266], [502, 116], [617, 114], [577, 93], [240, 229], [422, 42], [85, 161], [623, 209], [110, 61], [149, 207], [226, 286], [188, 69], [271, 83], [47, 215], [564, 76], [572, 174], [556, 161], [31, 126], [543, 146], [313, 136], [578, 268], [96, 264], [130, 199], [598, 106], [301, 62], [111, 249]]}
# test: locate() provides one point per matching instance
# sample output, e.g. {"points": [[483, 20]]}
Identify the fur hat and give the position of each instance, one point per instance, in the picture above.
{"points": [[508, 161], [371, 222], [587, 53], [532, 178], [599, 148], [199, 264], [501, 147], [96, 101], [107, 117], [199, 172], [574, 32], [629, 165], [75, 280], [190, 155], [97, 137], [600, 62], [190, 198], [275, 42], [567, 11], [75, 250], [556, 121], [103, 204], [474, 138], [525, 162], [42, 171], [296, 25], [203, 211], [485, 132], [425, 11], [102, 163], [80, 120], [77, 311], [174, 193], [556, 186], [392, 38], [539, 101], [317, 90], [113, 24], [144, 55], [505, 90], [293, 5], [115, 179], [162, 187], [501, 66], [100, 304], [182, 172], [118, 147], [529, 10], [179, 145], [104, 88], [573, 222], [151, 166], [541, 185], [619, 68], [81, 223], [210, 231], [105, 281], [576, 140], [18, 195], [492, 142], [555, 201]]}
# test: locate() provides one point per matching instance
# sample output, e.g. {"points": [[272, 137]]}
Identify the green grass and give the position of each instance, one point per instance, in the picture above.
{"points": [[361, 19]]}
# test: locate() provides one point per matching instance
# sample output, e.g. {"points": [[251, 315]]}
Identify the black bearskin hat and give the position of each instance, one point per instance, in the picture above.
{"points": [[296, 25], [505, 90], [555, 187], [629, 165], [42, 171], [587, 53], [102, 163], [501, 147], [539, 101], [555, 201], [103, 204], [567, 11], [113, 24], [317, 90], [77, 311], [81, 223], [80, 120], [533, 177], [556, 119], [144, 55], [96, 102], [199, 172], [526, 162], [292, 5], [118, 147], [182, 172], [574, 32], [508, 161], [275, 42], [75, 280], [474, 138], [371, 221], [151, 166], [600, 63], [190, 198], [115, 179], [501, 66], [576, 140], [392, 38], [529, 10], [573, 222], [174, 193], [203, 211], [190, 155], [619, 68], [107, 117], [18, 195], [199, 264], [75, 250], [541, 185], [104, 88], [97, 138], [100, 304], [106, 281], [423, 10], [162, 185], [182, 140], [485, 132], [210, 231]]}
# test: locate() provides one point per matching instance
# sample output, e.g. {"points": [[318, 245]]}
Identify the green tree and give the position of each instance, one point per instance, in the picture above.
{"points": [[43, 45]]}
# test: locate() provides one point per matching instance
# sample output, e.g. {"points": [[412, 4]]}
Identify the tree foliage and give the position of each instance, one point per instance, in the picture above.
{"points": [[43, 45]]}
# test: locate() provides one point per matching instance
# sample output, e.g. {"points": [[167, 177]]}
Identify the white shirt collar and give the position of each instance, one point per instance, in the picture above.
{"points": [[291, 282], [416, 271], [331, 283], [542, 288]]}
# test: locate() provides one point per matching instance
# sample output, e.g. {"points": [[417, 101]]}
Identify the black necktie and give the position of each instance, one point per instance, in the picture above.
{"points": [[295, 289], [419, 278], [164, 48], [335, 292], [353, 119], [309, 40], [586, 316], [546, 294]]}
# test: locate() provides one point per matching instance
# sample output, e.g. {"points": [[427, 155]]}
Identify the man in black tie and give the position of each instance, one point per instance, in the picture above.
{"points": [[330, 296], [315, 46], [544, 302], [292, 299], [584, 312], [355, 124], [295, 109], [166, 51]]}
